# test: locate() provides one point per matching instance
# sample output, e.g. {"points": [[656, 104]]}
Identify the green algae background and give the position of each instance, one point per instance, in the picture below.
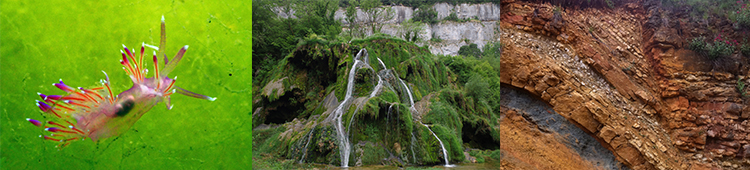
{"points": [[43, 41]]}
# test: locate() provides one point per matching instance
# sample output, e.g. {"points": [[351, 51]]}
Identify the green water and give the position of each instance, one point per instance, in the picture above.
{"points": [[43, 41]]}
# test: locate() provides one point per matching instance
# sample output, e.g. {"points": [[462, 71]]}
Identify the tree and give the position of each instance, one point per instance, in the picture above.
{"points": [[469, 50], [375, 15], [410, 30], [426, 14], [351, 17]]}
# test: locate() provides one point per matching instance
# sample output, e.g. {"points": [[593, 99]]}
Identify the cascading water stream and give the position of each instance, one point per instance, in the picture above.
{"points": [[411, 101], [344, 148], [309, 138], [445, 153]]}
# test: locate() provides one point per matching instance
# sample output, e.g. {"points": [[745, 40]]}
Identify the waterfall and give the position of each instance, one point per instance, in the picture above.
{"points": [[309, 138], [344, 147], [411, 101], [408, 92], [377, 87], [382, 64], [445, 153]]}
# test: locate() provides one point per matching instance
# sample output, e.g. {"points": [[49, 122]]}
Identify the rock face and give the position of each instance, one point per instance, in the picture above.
{"points": [[624, 76], [453, 34]]}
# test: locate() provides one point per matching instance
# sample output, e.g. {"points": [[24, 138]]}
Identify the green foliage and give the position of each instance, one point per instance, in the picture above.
{"points": [[702, 9], [742, 15], [486, 155], [444, 114], [460, 66], [745, 49], [267, 141], [456, 85], [478, 88], [610, 4], [436, 38], [741, 87], [452, 17], [371, 133], [426, 14], [275, 37], [698, 44], [492, 49], [417, 3], [470, 50], [376, 16], [718, 49], [451, 141], [430, 147], [410, 30]]}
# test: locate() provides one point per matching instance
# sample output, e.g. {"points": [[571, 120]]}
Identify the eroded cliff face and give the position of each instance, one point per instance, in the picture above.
{"points": [[625, 76], [480, 31]]}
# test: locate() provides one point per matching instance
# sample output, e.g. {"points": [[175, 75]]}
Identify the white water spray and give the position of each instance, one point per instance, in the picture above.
{"points": [[445, 154], [344, 147], [411, 101]]}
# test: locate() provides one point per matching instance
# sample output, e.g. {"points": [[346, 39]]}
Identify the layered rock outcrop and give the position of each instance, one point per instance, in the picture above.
{"points": [[625, 76]]}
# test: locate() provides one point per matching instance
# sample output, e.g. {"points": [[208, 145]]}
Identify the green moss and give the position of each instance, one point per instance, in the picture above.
{"points": [[373, 154], [452, 141], [268, 141], [429, 147], [445, 115]]}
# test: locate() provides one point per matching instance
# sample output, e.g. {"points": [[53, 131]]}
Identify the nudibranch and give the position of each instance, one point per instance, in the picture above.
{"points": [[97, 114]]}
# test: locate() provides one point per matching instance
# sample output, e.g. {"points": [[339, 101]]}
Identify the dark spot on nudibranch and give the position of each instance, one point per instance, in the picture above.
{"points": [[230, 74], [125, 107]]}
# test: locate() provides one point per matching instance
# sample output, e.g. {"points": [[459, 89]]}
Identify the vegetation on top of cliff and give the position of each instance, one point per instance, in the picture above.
{"points": [[733, 10], [426, 14]]}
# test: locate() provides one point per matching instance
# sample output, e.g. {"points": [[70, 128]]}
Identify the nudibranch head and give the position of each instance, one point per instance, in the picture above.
{"points": [[97, 113]]}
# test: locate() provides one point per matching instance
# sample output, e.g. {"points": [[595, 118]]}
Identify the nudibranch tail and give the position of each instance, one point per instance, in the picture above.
{"points": [[192, 94]]}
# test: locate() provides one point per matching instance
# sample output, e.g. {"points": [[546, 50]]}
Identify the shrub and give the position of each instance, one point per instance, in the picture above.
{"points": [[698, 44], [469, 50], [426, 14], [745, 49], [435, 38], [743, 15], [478, 88], [493, 49], [718, 49], [741, 87], [452, 17]]}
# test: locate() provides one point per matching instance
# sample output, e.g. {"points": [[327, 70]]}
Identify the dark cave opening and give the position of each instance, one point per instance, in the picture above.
{"points": [[478, 136], [286, 108]]}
